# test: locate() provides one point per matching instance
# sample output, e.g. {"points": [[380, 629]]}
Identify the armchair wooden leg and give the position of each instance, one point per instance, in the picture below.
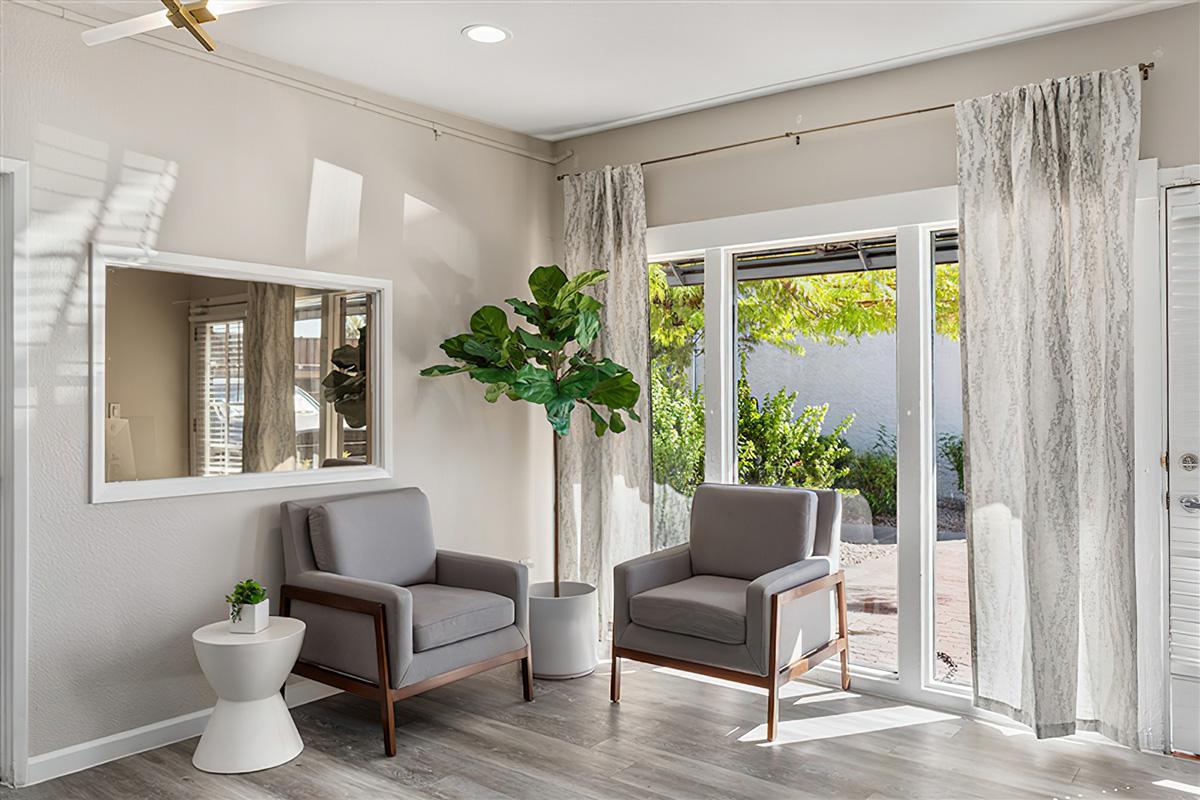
{"points": [[843, 631], [614, 685], [388, 713], [772, 710], [527, 675]]}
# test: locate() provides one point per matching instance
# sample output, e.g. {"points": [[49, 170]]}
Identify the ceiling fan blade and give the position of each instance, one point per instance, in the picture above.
{"points": [[127, 27], [158, 19]]}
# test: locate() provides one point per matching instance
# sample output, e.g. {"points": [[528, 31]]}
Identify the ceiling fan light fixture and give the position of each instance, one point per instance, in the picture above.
{"points": [[485, 34]]}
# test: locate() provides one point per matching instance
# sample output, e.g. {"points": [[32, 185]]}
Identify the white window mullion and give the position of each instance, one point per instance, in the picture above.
{"points": [[914, 459], [720, 398]]}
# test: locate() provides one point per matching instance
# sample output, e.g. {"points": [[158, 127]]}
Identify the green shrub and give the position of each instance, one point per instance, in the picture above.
{"points": [[776, 448], [951, 448], [873, 473], [677, 413]]}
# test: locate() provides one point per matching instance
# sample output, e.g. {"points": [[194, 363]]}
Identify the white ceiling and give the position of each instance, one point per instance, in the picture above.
{"points": [[577, 66]]}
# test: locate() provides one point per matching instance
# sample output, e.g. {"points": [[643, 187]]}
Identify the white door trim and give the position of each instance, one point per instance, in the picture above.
{"points": [[14, 474]]}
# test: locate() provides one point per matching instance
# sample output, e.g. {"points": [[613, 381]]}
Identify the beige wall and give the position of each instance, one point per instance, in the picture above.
{"points": [[127, 140], [898, 155]]}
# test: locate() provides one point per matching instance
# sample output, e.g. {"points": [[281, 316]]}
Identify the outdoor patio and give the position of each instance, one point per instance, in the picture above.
{"points": [[871, 601]]}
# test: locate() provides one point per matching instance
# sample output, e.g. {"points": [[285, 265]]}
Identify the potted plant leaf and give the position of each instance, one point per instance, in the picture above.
{"points": [[249, 607], [346, 384], [551, 364]]}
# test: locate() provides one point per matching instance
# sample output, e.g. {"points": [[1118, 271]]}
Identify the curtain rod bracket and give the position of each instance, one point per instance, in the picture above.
{"points": [[1145, 68]]}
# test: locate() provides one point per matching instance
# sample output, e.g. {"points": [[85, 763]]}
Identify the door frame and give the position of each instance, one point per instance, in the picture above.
{"points": [[14, 471]]}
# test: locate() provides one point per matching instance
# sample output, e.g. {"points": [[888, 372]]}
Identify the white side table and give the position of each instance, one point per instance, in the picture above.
{"points": [[250, 728]]}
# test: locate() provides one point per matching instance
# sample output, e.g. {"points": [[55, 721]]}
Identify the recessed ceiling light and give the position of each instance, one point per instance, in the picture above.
{"points": [[487, 34]]}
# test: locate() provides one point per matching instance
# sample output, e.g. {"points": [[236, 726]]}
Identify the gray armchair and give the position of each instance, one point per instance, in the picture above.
{"points": [[747, 599], [388, 614]]}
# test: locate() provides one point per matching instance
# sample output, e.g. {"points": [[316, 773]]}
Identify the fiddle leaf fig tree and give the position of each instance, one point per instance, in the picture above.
{"points": [[549, 363]]}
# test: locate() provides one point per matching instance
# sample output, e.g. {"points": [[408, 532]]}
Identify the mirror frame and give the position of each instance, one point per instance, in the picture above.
{"points": [[102, 257]]}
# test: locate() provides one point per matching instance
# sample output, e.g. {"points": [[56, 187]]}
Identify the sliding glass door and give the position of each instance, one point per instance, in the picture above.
{"points": [[830, 362]]}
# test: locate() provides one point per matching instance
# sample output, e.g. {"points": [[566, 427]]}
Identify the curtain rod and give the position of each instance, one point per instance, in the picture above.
{"points": [[1144, 68]]}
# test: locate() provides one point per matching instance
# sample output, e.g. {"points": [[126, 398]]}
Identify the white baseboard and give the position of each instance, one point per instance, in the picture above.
{"points": [[86, 755]]}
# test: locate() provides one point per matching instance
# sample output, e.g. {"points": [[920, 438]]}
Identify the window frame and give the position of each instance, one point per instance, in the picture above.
{"points": [[101, 257]]}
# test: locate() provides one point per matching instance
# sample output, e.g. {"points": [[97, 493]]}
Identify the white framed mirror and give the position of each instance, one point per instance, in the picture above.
{"points": [[209, 375]]}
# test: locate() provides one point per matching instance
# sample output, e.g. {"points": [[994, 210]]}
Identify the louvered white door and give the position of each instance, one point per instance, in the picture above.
{"points": [[1182, 232]]}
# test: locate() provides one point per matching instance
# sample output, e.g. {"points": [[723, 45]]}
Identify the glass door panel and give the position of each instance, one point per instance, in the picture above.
{"points": [[816, 405], [676, 394], [951, 613]]}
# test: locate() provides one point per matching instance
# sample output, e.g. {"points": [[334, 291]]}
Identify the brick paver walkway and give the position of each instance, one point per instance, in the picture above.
{"points": [[871, 605]]}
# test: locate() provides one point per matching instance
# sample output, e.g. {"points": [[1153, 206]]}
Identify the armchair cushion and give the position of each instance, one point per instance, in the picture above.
{"points": [[748, 531], [383, 536], [442, 615], [706, 606], [506, 578]]}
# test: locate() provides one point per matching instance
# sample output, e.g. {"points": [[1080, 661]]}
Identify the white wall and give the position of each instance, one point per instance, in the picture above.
{"points": [[132, 143]]}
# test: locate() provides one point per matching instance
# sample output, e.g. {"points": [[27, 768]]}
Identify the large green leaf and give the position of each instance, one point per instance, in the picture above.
{"points": [[438, 370], [489, 353], [558, 412], [536, 385], [494, 390], [529, 311], [454, 347], [587, 326], [619, 391], [616, 424], [494, 375], [545, 283], [538, 342], [579, 382], [578, 283], [490, 323], [600, 422]]}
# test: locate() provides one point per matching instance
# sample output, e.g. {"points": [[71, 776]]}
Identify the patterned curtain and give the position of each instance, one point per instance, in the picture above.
{"points": [[269, 425], [1046, 177], [604, 498]]}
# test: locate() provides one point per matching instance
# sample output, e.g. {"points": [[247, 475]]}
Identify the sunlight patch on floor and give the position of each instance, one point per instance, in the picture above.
{"points": [[793, 689], [1179, 786], [826, 697], [832, 726]]}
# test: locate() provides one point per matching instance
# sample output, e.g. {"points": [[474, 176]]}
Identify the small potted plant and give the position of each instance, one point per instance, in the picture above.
{"points": [[249, 608]]}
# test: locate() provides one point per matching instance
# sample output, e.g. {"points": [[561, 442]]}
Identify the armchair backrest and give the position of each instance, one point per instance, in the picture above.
{"points": [[747, 531], [382, 536]]}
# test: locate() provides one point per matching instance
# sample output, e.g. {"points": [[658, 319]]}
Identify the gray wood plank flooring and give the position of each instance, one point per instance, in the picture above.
{"points": [[671, 738]]}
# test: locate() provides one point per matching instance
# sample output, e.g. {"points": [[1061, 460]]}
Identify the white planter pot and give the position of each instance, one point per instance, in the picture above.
{"points": [[253, 619], [564, 630]]}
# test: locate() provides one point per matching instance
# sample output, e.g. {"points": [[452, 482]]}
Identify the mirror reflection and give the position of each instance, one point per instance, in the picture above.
{"points": [[211, 376]]}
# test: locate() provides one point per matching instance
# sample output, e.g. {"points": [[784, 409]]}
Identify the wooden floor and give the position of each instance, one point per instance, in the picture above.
{"points": [[671, 737]]}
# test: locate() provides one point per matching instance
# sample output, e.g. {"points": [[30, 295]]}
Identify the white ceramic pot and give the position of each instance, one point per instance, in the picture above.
{"points": [[564, 630], [253, 618]]}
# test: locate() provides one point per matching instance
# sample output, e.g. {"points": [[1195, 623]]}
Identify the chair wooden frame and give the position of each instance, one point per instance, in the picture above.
{"points": [[840, 645], [381, 691]]}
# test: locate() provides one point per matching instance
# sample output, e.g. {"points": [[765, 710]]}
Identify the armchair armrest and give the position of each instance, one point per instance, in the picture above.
{"points": [[787, 583], [644, 573], [507, 578], [339, 611]]}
